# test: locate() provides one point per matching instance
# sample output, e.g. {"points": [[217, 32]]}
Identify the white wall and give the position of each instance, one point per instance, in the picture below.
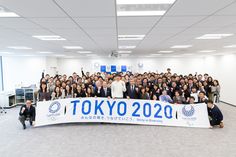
{"points": [[28, 70], [51, 65], [223, 68], [68, 66], [22, 71], [1, 83]]}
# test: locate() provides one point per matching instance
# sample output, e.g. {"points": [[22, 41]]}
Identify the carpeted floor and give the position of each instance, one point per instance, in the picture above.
{"points": [[112, 140]]}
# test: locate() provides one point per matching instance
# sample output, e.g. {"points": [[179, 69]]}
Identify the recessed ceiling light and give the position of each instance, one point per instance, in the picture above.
{"points": [[127, 47], [155, 54], [6, 52], [181, 46], [214, 36], [48, 37], [145, 1], [230, 46], [125, 55], [45, 52], [187, 54], [59, 55], [4, 12], [175, 56], [8, 14], [124, 51], [165, 51], [69, 57], [27, 55], [143, 7], [91, 55], [207, 51], [72, 47], [131, 37], [19, 47], [141, 13], [219, 54], [84, 52]]}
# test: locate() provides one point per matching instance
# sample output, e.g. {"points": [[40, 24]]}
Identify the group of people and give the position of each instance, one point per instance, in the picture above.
{"points": [[172, 88], [167, 87]]}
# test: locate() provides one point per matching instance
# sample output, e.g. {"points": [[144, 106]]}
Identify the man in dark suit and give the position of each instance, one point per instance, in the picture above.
{"points": [[97, 89], [173, 89], [131, 90], [105, 91], [215, 115], [27, 112]]}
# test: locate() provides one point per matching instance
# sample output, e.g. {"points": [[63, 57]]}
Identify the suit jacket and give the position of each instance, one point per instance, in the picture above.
{"points": [[133, 94], [28, 112], [215, 114], [97, 92], [202, 100], [105, 94], [81, 94]]}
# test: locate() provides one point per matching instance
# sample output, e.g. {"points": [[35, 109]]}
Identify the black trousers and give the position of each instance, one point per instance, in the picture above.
{"points": [[23, 118], [214, 122]]}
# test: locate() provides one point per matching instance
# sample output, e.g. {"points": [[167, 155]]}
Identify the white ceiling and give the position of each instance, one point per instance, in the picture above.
{"points": [[93, 24]]}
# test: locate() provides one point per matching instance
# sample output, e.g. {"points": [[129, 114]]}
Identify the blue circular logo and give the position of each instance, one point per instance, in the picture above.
{"points": [[188, 110], [54, 107]]}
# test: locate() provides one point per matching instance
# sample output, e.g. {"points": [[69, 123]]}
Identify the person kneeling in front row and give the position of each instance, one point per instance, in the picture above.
{"points": [[215, 115], [27, 112]]}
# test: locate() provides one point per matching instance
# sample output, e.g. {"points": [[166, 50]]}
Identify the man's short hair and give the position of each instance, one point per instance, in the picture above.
{"points": [[210, 101], [191, 97], [28, 100], [202, 92], [118, 75]]}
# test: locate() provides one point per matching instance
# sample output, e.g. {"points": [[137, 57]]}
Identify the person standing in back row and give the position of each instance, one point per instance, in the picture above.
{"points": [[131, 92], [118, 87]]}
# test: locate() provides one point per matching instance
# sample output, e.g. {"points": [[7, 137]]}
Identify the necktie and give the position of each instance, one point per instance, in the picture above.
{"points": [[105, 89]]}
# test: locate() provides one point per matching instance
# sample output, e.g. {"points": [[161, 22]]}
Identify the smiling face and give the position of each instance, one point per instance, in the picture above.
{"points": [[104, 84], [191, 100], [131, 82], [154, 97], [67, 87], [28, 103], [164, 92], [177, 93], [201, 95], [44, 86], [118, 78]]}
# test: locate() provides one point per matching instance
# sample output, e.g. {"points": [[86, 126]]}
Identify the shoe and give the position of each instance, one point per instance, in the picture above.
{"points": [[221, 124], [24, 126]]}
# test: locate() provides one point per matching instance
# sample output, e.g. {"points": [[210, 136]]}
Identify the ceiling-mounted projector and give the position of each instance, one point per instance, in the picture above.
{"points": [[114, 54]]}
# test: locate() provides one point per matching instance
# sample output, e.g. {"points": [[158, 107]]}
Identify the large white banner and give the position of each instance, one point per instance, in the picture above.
{"points": [[129, 111]]}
